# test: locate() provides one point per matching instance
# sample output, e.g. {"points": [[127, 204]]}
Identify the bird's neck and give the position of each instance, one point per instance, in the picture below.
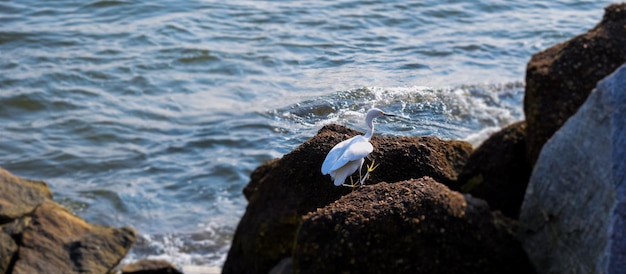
{"points": [[369, 132]]}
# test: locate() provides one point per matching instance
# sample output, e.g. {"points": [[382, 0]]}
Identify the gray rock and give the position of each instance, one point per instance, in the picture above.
{"points": [[575, 206]]}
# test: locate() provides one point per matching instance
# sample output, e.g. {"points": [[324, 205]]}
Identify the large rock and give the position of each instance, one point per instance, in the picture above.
{"points": [[574, 212], [282, 191], [8, 249], [559, 79], [414, 226], [20, 196], [150, 267], [53, 240], [498, 171]]}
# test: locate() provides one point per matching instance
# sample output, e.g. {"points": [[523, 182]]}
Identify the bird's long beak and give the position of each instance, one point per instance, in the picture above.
{"points": [[396, 115]]}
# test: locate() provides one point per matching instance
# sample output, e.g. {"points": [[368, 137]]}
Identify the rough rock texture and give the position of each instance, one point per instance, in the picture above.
{"points": [[19, 196], [498, 171], [282, 191], [414, 226], [574, 212], [8, 248], [55, 241], [402, 158], [150, 267], [559, 79]]}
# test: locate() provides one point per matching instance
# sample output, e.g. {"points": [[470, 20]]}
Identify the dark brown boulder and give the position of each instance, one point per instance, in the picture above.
{"points": [[257, 176], [559, 79], [282, 191], [414, 226], [20, 196], [53, 240], [402, 158], [150, 267], [498, 171]]}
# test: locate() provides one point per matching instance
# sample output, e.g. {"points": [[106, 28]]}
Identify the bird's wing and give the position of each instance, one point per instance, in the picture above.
{"points": [[357, 149], [333, 155]]}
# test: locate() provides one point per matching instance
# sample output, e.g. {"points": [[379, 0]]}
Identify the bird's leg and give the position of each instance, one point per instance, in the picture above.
{"points": [[365, 177], [352, 184], [362, 179], [361, 166], [370, 168]]}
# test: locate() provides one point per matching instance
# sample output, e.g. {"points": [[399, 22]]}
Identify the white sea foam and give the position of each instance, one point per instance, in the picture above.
{"points": [[182, 250], [203, 250], [468, 113]]}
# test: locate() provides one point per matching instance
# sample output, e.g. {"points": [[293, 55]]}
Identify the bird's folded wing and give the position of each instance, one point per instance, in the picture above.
{"points": [[333, 155], [355, 151]]}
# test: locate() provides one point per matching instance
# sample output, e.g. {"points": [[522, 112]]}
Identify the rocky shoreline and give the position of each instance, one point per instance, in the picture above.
{"points": [[436, 206], [545, 195]]}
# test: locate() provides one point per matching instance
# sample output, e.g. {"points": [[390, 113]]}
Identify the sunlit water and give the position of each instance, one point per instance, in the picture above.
{"points": [[153, 113]]}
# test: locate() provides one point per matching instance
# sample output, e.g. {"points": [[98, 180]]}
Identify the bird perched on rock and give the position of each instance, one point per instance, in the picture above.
{"points": [[349, 155]]}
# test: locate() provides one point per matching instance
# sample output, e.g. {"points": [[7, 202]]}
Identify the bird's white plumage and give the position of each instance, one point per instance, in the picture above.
{"points": [[339, 175], [355, 148], [348, 156]]}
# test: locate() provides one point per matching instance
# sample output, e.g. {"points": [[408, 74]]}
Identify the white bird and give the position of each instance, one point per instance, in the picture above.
{"points": [[349, 155]]}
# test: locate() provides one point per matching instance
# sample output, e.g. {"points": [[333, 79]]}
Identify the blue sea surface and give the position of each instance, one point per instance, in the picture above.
{"points": [[153, 113]]}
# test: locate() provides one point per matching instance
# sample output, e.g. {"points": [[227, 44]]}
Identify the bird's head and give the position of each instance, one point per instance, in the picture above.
{"points": [[376, 112], [369, 120]]}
